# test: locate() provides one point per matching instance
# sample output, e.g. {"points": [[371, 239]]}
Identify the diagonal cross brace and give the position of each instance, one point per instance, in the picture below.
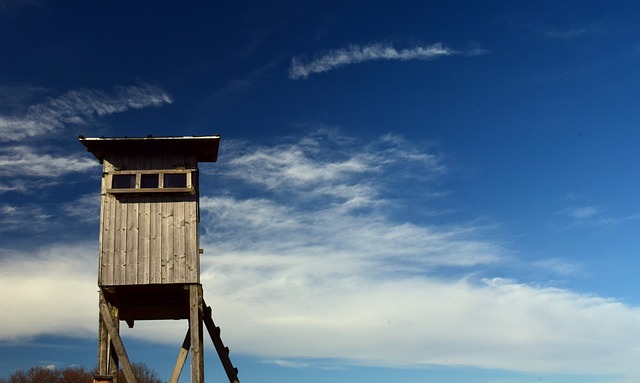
{"points": [[112, 329], [182, 358]]}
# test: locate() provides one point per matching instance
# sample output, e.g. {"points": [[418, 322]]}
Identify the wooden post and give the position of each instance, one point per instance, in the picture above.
{"points": [[114, 361], [116, 341], [195, 329], [107, 358], [103, 348]]}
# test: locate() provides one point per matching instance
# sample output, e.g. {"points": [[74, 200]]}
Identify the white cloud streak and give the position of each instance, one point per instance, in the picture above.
{"points": [[25, 161], [78, 107], [559, 266], [356, 54], [583, 212], [592, 216], [22, 186], [23, 218], [84, 209]]}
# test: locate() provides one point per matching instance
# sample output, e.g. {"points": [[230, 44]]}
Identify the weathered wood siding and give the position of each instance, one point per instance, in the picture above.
{"points": [[150, 238]]}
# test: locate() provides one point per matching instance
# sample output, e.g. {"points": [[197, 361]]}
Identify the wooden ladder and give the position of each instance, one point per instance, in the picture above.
{"points": [[223, 351]]}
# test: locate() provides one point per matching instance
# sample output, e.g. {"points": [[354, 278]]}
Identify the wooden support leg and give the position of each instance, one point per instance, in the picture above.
{"points": [[195, 329], [182, 357], [114, 361], [107, 359], [103, 348], [112, 328]]}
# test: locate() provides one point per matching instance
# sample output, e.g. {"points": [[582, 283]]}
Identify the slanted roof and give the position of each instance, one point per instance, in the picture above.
{"points": [[204, 147]]}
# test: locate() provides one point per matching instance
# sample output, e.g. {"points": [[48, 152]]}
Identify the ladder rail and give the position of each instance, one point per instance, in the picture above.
{"points": [[223, 351]]}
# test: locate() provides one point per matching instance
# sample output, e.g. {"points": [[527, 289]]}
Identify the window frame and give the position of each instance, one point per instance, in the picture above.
{"points": [[138, 189]]}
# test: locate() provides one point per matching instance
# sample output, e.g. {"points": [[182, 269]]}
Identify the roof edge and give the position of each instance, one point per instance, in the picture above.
{"points": [[204, 147]]}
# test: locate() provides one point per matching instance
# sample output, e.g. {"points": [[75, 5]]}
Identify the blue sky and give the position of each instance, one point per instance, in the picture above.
{"points": [[424, 191]]}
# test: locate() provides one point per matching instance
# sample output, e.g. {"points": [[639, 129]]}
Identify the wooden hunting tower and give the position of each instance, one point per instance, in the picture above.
{"points": [[149, 256]]}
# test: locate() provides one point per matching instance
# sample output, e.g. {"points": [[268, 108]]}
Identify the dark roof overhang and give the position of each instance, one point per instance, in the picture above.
{"points": [[205, 148]]}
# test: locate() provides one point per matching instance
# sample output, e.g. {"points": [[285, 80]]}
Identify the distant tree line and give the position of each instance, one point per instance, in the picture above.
{"points": [[143, 374]]}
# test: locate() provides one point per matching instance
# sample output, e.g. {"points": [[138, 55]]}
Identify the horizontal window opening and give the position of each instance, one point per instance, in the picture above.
{"points": [[150, 181], [123, 181], [178, 180]]}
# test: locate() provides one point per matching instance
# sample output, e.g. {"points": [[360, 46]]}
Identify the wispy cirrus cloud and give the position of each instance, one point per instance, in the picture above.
{"points": [[588, 215], [355, 54], [78, 107], [26, 161], [302, 164], [559, 266], [583, 212], [330, 189], [573, 32], [22, 217], [288, 363], [28, 218], [392, 291], [85, 209], [25, 169]]}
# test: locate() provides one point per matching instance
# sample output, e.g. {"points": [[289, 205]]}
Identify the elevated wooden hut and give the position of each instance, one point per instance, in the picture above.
{"points": [[149, 253]]}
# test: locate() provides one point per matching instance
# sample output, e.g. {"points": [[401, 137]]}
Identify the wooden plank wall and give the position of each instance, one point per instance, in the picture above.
{"points": [[151, 238]]}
